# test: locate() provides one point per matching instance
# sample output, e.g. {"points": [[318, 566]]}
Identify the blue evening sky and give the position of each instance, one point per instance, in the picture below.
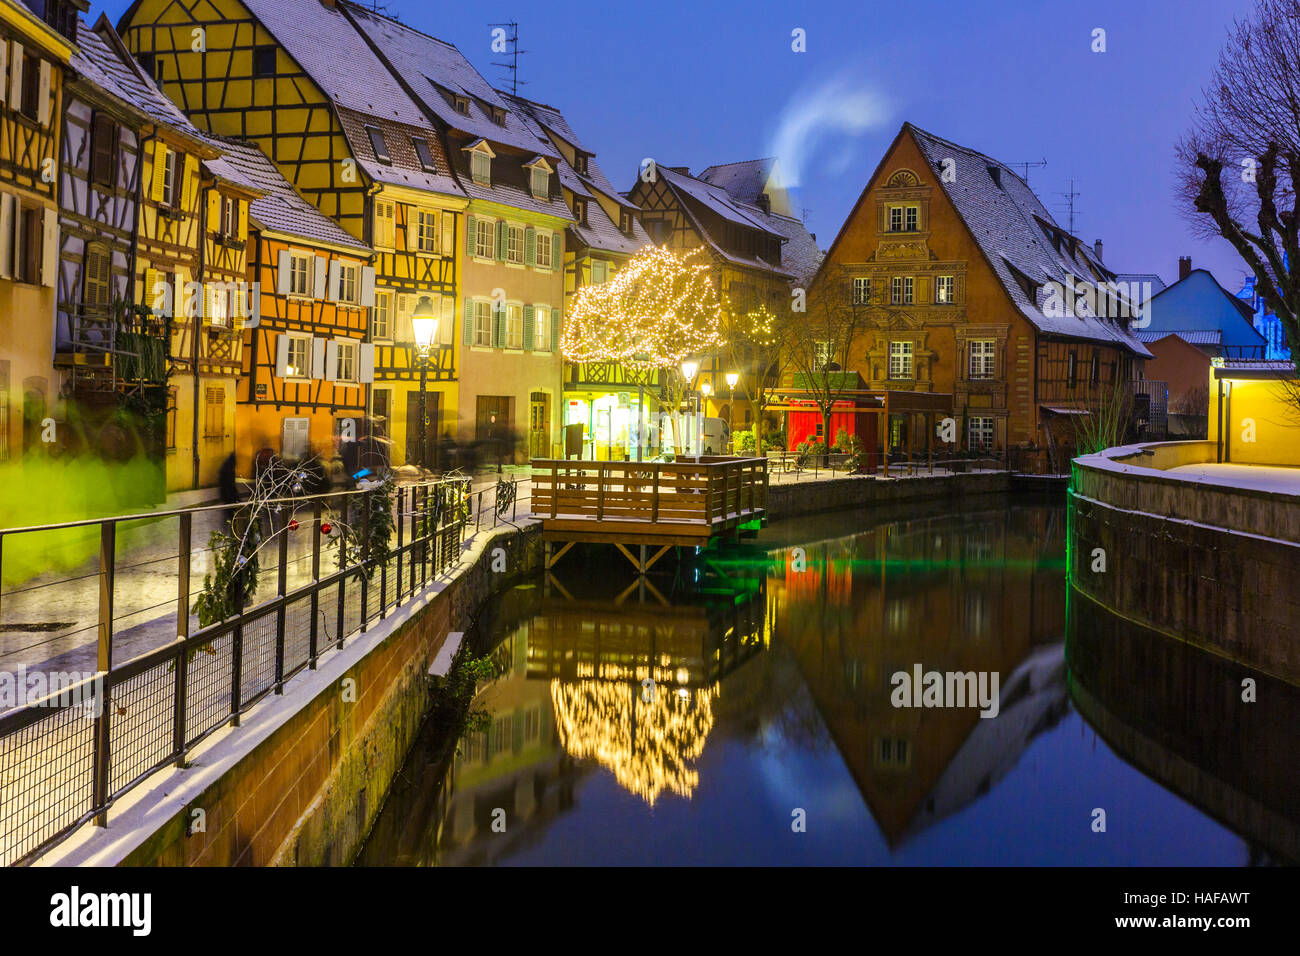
{"points": [[698, 83]]}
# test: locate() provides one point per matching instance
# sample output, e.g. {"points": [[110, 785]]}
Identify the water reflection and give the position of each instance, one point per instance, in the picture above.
{"points": [[771, 694]]}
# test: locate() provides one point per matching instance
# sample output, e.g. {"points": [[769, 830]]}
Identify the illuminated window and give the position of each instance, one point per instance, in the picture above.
{"points": [[861, 291], [381, 318], [514, 326], [299, 361], [347, 362], [541, 329], [982, 358], [484, 238], [515, 244], [900, 359], [483, 324], [943, 290], [979, 433], [299, 274], [544, 250], [427, 231]]}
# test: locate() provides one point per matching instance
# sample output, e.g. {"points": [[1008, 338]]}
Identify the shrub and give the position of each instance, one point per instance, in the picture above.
{"points": [[745, 441]]}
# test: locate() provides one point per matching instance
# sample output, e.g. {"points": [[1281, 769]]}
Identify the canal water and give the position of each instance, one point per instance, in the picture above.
{"points": [[741, 710]]}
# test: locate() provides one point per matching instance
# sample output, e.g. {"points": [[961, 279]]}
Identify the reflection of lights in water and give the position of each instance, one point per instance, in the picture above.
{"points": [[647, 746]]}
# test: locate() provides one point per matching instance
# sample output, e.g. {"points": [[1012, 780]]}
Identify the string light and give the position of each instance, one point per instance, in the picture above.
{"points": [[660, 308]]}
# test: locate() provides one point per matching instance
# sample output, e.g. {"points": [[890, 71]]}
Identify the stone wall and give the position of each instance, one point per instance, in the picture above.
{"points": [[309, 792], [1208, 564], [788, 500]]}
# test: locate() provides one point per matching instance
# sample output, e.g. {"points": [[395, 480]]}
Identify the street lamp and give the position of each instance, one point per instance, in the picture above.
{"points": [[424, 325], [689, 368], [732, 379]]}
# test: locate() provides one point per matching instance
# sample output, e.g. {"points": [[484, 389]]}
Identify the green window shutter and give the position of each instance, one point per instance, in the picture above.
{"points": [[467, 326], [471, 236], [499, 326], [530, 334], [530, 246], [503, 233], [555, 330]]}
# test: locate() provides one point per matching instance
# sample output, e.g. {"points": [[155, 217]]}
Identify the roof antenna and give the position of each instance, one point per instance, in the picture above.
{"points": [[1025, 166], [1069, 198], [508, 43]]}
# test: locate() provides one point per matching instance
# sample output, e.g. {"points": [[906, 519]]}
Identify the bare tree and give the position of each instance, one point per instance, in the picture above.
{"points": [[1240, 164], [755, 350]]}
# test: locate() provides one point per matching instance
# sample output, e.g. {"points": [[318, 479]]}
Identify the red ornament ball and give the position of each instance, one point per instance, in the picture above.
{"points": [[293, 524], [325, 527]]}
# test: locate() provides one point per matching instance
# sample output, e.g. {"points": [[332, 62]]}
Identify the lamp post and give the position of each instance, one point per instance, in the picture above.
{"points": [[424, 325], [706, 389], [689, 368], [732, 379]]}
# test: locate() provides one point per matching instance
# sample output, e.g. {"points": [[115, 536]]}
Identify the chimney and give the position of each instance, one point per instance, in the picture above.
{"points": [[1096, 247], [764, 203], [1184, 267], [684, 170]]}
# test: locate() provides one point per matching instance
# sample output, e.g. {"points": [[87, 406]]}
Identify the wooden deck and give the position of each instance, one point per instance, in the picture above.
{"points": [[664, 504]]}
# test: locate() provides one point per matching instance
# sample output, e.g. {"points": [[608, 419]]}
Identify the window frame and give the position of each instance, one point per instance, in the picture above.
{"points": [[379, 144], [514, 318], [425, 156], [303, 258], [950, 284], [981, 359], [485, 228], [349, 277], [99, 174], [348, 348], [541, 341], [261, 51], [545, 191], [171, 195], [861, 290], [389, 224], [386, 297], [972, 426], [479, 158], [514, 231], [483, 323], [302, 374], [427, 217], [539, 235], [904, 351]]}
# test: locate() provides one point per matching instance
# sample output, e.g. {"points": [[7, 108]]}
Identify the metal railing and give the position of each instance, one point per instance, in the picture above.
{"points": [[63, 763]]}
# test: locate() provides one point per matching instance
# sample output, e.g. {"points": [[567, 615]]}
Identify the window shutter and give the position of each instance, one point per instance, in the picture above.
{"points": [[448, 247], [50, 248], [190, 174], [366, 363], [530, 336], [412, 229], [214, 211], [503, 237], [447, 325], [283, 272], [8, 208], [405, 330], [368, 287], [555, 330], [336, 280], [159, 171], [467, 323], [332, 360], [317, 358], [241, 209], [4, 70], [281, 356], [43, 112], [16, 77], [317, 267], [530, 246], [498, 326], [471, 235]]}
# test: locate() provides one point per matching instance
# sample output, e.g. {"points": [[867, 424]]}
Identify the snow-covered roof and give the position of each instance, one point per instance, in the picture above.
{"points": [[1018, 234], [1190, 336]]}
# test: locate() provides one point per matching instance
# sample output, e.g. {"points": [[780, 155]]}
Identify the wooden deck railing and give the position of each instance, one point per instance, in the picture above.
{"points": [[628, 499]]}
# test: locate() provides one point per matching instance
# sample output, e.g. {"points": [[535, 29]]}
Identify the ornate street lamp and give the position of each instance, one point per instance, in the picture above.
{"points": [[689, 368], [424, 324]]}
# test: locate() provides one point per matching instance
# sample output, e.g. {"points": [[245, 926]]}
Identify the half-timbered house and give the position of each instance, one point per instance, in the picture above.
{"points": [[606, 398], [740, 213], [36, 46], [296, 78], [968, 267], [512, 244], [307, 363]]}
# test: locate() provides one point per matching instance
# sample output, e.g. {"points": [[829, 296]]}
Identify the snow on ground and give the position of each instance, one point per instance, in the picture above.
{"points": [[1272, 478]]}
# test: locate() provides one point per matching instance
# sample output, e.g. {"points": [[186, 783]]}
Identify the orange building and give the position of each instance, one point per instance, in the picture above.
{"points": [[307, 367], [960, 272]]}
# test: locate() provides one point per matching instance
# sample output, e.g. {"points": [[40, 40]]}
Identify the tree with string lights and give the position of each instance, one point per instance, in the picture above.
{"points": [[659, 310]]}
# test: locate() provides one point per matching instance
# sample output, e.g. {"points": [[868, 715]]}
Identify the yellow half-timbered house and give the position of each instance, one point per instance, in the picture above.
{"points": [[34, 54], [296, 78]]}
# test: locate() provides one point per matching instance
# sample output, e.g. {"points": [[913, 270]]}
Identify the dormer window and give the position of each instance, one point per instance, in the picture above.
{"points": [[480, 162], [498, 116], [625, 222], [580, 210], [424, 154], [539, 177], [580, 163], [379, 145], [462, 105]]}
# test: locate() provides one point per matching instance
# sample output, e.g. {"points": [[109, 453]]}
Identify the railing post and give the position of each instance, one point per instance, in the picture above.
{"points": [[401, 541], [179, 702], [343, 574], [555, 490], [514, 500], [314, 632], [237, 660], [600, 492], [708, 496], [654, 503], [365, 557], [281, 617]]}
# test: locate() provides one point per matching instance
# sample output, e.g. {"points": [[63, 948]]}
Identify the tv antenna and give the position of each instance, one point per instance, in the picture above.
{"points": [[1069, 198], [512, 50], [1026, 166]]}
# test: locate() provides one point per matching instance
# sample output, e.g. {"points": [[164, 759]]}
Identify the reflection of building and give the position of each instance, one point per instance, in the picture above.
{"points": [[976, 597], [1236, 761]]}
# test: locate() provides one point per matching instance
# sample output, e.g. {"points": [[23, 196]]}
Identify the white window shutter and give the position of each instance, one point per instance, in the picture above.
{"points": [[332, 360], [447, 325], [50, 248], [336, 277], [16, 76], [283, 272], [412, 229], [368, 287], [405, 331], [316, 269], [43, 113], [281, 356], [4, 71], [317, 358], [8, 210], [366, 363], [448, 234]]}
